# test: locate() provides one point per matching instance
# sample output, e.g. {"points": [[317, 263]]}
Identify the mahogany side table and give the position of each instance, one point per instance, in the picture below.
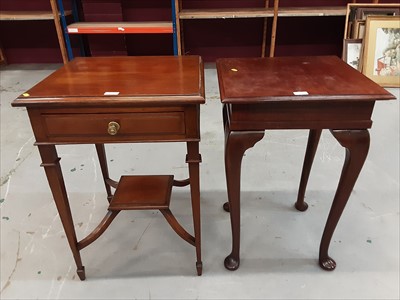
{"points": [[295, 93], [97, 100]]}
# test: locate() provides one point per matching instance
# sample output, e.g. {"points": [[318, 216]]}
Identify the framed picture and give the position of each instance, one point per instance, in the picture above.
{"points": [[360, 11], [352, 52], [358, 29], [363, 12], [381, 57]]}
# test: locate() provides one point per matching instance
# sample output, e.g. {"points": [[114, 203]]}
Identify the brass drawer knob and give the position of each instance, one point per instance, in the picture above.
{"points": [[113, 128]]}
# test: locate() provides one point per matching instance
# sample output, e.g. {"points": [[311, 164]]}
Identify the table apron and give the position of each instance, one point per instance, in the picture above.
{"points": [[102, 125], [301, 115]]}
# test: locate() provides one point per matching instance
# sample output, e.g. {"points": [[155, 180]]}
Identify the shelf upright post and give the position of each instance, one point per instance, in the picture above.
{"points": [[274, 26], [174, 28], [75, 15], [59, 30], [179, 38], [264, 41], [64, 27]]}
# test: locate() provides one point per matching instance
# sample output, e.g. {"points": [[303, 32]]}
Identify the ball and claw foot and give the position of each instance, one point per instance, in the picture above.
{"points": [[302, 206], [231, 263], [199, 268], [327, 263], [81, 273], [226, 207]]}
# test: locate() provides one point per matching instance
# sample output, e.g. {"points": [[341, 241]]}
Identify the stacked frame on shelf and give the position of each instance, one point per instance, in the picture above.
{"points": [[371, 41]]}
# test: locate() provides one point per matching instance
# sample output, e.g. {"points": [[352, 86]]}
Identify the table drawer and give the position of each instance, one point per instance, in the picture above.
{"points": [[114, 126]]}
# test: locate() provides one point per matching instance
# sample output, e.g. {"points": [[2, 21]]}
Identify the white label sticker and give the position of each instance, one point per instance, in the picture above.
{"points": [[300, 93], [111, 93], [70, 30]]}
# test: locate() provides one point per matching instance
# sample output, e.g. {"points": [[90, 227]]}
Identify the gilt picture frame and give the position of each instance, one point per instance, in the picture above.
{"points": [[381, 53]]}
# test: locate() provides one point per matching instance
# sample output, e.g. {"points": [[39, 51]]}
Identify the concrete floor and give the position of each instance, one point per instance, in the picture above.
{"points": [[140, 257]]}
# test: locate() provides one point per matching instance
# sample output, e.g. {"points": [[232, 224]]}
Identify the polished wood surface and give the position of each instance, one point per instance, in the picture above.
{"points": [[121, 81], [322, 78], [153, 99], [139, 192], [260, 94]]}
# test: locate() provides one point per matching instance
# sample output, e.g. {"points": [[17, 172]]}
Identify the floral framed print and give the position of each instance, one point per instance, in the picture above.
{"points": [[381, 56]]}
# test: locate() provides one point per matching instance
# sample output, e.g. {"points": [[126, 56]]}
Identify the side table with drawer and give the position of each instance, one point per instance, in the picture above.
{"points": [[98, 100]]}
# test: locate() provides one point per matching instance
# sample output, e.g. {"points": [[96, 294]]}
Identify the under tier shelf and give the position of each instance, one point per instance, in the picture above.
{"points": [[142, 192]]}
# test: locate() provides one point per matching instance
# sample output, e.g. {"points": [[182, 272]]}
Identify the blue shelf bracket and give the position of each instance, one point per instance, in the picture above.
{"points": [[64, 27], [174, 34]]}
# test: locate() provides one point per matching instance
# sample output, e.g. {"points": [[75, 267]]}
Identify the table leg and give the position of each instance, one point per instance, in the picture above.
{"points": [[236, 144], [312, 145], [193, 159], [51, 164], [101, 153], [356, 143]]}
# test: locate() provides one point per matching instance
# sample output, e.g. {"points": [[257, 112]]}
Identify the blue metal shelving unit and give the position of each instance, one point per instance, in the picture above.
{"points": [[76, 19]]}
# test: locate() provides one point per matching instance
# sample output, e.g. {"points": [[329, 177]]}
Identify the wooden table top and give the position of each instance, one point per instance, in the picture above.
{"points": [[255, 80], [128, 80]]}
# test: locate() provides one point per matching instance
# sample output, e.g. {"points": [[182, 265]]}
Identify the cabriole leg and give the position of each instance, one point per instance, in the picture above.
{"points": [[236, 144], [356, 143]]}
